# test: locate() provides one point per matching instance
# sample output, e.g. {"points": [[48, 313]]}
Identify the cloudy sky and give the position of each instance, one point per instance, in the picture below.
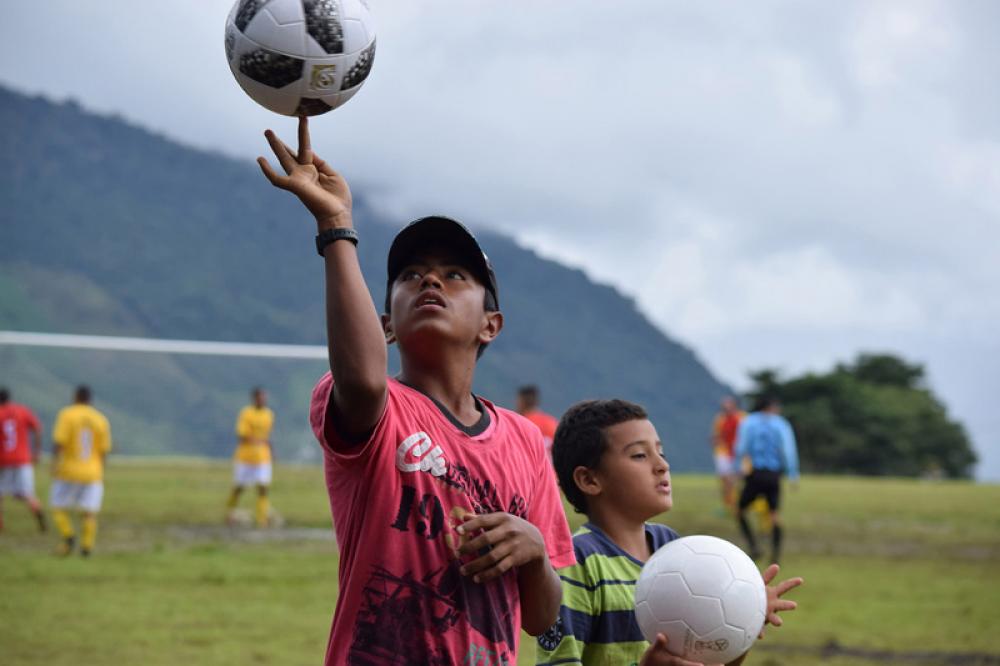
{"points": [[778, 184]]}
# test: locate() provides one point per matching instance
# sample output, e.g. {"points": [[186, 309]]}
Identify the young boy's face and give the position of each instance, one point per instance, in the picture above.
{"points": [[435, 299], [633, 474]]}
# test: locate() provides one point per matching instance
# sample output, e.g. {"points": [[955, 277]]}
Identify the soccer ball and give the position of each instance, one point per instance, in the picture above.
{"points": [[705, 595], [300, 57]]}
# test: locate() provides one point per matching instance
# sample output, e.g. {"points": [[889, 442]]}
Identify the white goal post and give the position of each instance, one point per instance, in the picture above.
{"points": [[161, 345]]}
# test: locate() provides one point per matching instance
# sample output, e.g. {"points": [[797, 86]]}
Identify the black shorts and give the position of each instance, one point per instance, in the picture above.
{"points": [[764, 482]]}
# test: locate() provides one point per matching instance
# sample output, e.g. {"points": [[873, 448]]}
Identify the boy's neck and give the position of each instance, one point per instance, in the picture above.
{"points": [[449, 384], [627, 533]]}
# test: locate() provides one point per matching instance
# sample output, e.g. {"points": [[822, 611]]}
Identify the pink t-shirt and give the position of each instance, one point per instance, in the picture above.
{"points": [[396, 500]]}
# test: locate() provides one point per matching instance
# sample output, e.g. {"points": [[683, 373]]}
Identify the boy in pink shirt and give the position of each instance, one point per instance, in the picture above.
{"points": [[447, 513]]}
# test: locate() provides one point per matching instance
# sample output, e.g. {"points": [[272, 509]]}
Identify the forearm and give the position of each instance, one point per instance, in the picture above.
{"points": [[355, 339], [541, 593]]}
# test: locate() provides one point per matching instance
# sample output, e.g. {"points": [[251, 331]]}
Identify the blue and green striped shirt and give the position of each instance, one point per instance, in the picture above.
{"points": [[596, 622]]}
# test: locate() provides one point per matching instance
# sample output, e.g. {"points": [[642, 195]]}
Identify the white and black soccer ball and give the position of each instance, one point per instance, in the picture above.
{"points": [[705, 595], [300, 57]]}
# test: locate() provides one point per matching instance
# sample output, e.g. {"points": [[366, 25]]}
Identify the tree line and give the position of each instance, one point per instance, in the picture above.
{"points": [[874, 417]]}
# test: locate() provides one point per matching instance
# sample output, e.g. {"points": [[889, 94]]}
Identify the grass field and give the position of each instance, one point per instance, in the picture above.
{"points": [[896, 572]]}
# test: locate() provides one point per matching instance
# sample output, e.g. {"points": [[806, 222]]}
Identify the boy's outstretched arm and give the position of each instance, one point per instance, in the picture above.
{"points": [[355, 340]]}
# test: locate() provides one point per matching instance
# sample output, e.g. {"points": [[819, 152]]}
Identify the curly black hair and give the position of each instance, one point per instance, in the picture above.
{"points": [[580, 442]]}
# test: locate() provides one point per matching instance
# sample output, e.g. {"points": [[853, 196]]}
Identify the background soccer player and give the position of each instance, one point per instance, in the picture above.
{"points": [[252, 459], [17, 457], [724, 429], [766, 437], [82, 438], [528, 406]]}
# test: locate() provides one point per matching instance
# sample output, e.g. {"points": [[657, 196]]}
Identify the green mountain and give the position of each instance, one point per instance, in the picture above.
{"points": [[112, 230]]}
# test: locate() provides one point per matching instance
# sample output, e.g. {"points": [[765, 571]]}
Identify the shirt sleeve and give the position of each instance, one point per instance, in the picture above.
{"points": [[242, 424], [32, 421], [105, 442], [335, 446], [547, 514], [790, 450], [60, 434]]}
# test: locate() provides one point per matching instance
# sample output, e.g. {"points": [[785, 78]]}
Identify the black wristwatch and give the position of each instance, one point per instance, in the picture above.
{"points": [[331, 235]]}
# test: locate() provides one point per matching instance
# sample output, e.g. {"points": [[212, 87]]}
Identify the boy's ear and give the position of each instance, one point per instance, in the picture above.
{"points": [[492, 326], [390, 337], [586, 480]]}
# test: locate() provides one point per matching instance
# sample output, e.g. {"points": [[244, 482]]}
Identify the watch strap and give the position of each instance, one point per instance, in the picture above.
{"points": [[328, 236]]}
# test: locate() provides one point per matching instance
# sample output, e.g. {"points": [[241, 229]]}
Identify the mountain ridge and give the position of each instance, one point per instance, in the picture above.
{"points": [[117, 230]]}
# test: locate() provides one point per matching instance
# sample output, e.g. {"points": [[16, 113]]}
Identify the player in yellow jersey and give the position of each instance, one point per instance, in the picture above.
{"points": [[82, 438], [252, 460]]}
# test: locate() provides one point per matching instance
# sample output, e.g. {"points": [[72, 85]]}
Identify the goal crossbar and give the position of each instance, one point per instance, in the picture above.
{"points": [[162, 345]]}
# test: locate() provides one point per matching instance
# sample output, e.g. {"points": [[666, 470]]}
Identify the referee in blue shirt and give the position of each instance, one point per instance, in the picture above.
{"points": [[767, 438]]}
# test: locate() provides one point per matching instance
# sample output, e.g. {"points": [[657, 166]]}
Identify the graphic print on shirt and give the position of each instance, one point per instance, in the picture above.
{"points": [[398, 611], [413, 449]]}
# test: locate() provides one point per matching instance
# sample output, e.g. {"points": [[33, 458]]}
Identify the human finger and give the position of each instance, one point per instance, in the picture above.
{"points": [[305, 147], [485, 521], [659, 654], [276, 180], [784, 605], [486, 560], [295, 155], [495, 571], [483, 541], [323, 167], [660, 643], [281, 151], [770, 573], [487, 539], [786, 585]]}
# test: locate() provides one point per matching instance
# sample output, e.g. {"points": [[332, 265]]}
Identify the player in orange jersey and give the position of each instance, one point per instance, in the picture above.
{"points": [[527, 406], [724, 429], [17, 457]]}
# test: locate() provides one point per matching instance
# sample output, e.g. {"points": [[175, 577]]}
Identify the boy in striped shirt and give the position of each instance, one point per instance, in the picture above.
{"points": [[611, 467]]}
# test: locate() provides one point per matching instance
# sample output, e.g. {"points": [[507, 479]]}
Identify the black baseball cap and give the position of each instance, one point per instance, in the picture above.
{"points": [[444, 231]]}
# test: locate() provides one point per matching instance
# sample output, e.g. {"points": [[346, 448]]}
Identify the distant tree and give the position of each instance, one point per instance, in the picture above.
{"points": [[886, 370], [871, 417]]}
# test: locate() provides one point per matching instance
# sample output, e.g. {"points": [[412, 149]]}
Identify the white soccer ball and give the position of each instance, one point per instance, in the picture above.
{"points": [[300, 57], [705, 595]]}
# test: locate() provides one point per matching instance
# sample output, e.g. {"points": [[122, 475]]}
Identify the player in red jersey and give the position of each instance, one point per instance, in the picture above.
{"points": [[17, 456], [528, 407], [447, 512], [724, 429]]}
